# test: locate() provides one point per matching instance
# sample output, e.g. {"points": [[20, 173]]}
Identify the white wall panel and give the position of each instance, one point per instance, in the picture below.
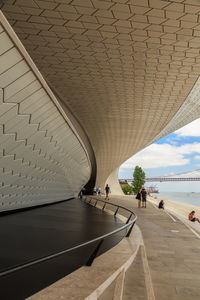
{"points": [[41, 158]]}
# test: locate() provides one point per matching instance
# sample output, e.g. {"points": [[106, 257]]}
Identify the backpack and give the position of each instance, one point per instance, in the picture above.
{"points": [[138, 196]]}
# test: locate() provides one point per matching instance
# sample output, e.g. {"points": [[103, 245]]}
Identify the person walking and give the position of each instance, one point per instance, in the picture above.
{"points": [[94, 190], [144, 197], [107, 190], [99, 193], [81, 193]]}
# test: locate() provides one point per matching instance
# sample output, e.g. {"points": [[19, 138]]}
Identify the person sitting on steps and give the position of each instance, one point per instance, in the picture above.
{"points": [[192, 218], [161, 204]]}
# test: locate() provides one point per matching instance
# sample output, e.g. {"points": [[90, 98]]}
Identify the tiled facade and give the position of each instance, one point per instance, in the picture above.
{"points": [[41, 159], [123, 67]]}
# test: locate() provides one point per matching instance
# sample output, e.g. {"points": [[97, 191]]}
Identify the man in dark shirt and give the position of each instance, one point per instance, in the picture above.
{"points": [[107, 190], [144, 197]]}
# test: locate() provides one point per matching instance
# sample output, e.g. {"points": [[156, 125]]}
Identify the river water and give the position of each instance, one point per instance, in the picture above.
{"points": [[184, 192], [187, 198]]}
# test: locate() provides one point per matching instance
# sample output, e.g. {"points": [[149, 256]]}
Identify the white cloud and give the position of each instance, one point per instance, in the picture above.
{"points": [[169, 154], [162, 155], [192, 129]]}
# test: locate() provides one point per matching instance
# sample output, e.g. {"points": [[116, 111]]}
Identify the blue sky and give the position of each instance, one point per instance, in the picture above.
{"points": [[176, 153]]}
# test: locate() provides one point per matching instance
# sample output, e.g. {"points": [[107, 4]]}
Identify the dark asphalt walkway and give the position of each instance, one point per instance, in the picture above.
{"points": [[36, 233]]}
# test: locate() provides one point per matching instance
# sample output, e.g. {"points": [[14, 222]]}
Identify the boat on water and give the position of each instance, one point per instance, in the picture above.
{"points": [[153, 189]]}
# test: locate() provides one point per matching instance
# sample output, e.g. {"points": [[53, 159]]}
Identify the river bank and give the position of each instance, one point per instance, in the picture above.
{"points": [[179, 208], [190, 198]]}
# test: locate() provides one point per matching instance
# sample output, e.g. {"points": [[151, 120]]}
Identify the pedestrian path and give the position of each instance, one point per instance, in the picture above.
{"points": [[134, 282], [172, 250]]}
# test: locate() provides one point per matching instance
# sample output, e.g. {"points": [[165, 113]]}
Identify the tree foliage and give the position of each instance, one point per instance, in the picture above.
{"points": [[123, 181], [127, 189], [138, 179]]}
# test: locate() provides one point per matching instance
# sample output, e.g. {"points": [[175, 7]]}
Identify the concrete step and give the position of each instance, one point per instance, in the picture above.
{"points": [[108, 293]]}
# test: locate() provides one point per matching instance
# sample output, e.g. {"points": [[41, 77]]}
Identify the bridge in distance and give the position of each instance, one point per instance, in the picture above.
{"points": [[166, 179], [193, 175]]}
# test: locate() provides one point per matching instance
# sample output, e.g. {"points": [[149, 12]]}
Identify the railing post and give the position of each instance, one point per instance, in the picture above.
{"points": [[129, 218], [90, 201], [104, 206], [130, 229], [94, 254], [116, 211]]}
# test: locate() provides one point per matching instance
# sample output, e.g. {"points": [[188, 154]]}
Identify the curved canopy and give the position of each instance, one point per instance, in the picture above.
{"points": [[123, 68]]}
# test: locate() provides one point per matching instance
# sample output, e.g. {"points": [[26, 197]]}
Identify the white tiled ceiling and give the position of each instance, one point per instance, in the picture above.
{"points": [[123, 67]]}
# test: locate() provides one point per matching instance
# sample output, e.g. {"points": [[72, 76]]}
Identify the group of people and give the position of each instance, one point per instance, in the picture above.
{"points": [[142, 197], [191, 216], [97, 191]]}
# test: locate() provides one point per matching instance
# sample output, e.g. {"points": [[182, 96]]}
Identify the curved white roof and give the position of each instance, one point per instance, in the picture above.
{"points": [[123, 68]]}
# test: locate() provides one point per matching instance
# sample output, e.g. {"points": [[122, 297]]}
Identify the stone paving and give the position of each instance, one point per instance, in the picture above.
{"points": [[173, 252], [134, 282]]}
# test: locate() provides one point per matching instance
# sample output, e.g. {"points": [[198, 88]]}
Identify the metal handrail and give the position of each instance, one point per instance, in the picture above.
{"points": [[93, 255], [129, 223], [113, 204], [116, 205]]}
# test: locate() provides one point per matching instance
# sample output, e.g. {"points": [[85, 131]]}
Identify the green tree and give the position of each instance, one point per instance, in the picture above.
{"points": [[138, 179], [127, 189]]}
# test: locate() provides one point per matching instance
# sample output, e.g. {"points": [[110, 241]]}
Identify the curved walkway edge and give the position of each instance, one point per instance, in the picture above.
{"points": [[91, 282]]}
